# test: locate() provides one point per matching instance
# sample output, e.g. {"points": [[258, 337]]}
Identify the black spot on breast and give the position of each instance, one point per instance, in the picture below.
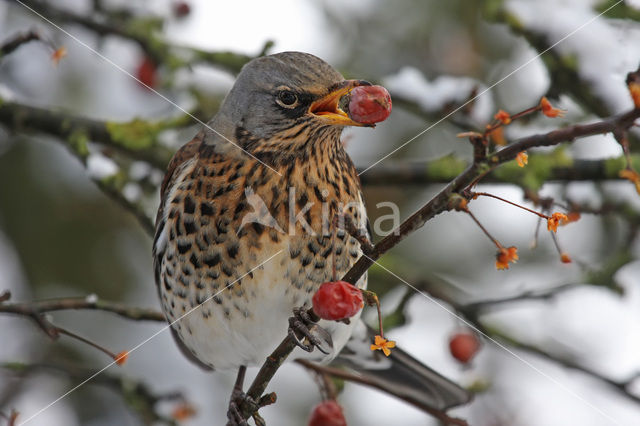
{"points": [[302, 201], [212, 260], [275, 191], [184, 247], [241, 205], [176, 228], [232, 251], [306, 260], [189, 205], [194, 260], [167, 286], [313, 247], [221, 226], [206, 209], [259, 228], [228, 270], [189, 226], [253, 169], [318, 193]]}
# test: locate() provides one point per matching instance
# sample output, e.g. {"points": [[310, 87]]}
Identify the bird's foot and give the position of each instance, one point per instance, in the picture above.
{"points": [[303, 326], [239, 400], [234, 413]]}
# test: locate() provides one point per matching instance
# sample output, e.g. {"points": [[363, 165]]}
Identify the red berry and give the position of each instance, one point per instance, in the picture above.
{"points": [[337, 300], [146, 72], [463, 346], [369, 104], [181, 9], [327, 413]]}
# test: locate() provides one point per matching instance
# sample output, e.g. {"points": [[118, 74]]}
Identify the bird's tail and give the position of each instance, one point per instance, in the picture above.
{"points": [[400, 374]]}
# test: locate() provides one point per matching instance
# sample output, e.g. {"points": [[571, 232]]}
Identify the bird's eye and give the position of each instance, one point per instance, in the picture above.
{"points": [[287, 98]]}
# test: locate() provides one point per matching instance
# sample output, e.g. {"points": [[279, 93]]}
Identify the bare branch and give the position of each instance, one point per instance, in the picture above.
{"points": [[70, 128], [37, 308], [444, 169], [354, 378], [477, 171], [16, 41]]}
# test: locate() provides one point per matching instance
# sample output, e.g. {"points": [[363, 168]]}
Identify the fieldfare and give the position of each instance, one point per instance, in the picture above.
{"points": [[245, 228]]}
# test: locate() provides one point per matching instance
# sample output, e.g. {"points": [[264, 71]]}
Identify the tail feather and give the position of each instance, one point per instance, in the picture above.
{"points": [[401, 375]]}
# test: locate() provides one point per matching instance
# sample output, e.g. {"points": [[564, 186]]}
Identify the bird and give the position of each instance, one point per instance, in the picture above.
{"points": [[245, 230]]}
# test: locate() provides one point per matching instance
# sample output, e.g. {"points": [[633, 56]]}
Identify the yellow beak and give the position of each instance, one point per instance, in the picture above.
{"points": [[327, 108]]}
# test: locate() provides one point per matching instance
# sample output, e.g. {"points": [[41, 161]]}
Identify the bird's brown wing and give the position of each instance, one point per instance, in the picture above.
{"points": [[184, 154]]}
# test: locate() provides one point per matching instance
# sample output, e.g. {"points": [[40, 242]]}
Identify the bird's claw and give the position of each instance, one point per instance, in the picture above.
{"points": [[301, 325], [238, 399]]}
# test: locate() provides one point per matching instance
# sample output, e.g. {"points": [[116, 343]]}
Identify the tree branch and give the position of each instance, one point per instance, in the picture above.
{"points": [[138, 138], [563, 70], [483, 164], [37, 308], [545, 294], [446, 168], [16, 41], [354, 378], [472, 313], [144, 32], [478, 170], [137, 395]]}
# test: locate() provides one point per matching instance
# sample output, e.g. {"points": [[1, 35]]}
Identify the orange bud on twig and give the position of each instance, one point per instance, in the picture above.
{"points": [[506, 255], [549, 110], [58, 54], [522, 159], [503, 117], [554, 220], [121, 358]]}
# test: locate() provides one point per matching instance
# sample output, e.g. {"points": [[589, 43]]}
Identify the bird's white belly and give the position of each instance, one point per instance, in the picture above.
{"points": [[245, 330]]}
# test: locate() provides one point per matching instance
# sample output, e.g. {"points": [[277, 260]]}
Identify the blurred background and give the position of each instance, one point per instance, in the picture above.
{"points": [[570, 356]]}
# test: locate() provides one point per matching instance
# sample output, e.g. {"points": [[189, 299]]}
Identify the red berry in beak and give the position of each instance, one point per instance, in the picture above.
{"points": [[369, 104]]}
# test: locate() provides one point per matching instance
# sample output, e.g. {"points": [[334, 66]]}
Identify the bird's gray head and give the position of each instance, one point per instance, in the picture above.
{"points": [[281, 95]]}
